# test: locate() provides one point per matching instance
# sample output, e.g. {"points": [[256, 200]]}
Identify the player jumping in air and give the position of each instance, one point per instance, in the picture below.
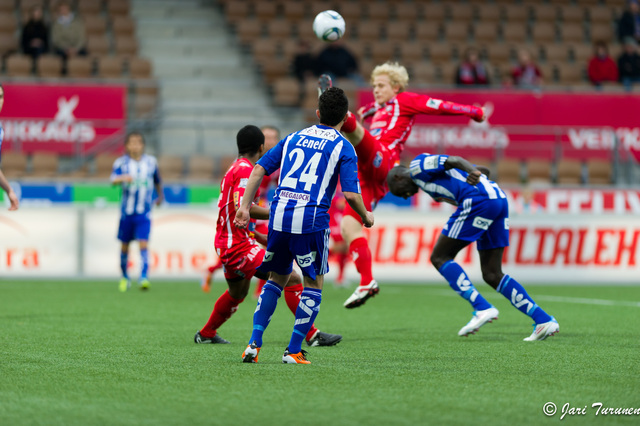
{"points": [[4, 184], [392, 115], [310, 161], [482, 215], [237, 249], [138, 175]]}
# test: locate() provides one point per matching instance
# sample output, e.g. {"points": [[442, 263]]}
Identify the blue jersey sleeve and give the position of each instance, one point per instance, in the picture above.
{"points": [[117, 168], [272, 159], [425, 167], [349, 170]]}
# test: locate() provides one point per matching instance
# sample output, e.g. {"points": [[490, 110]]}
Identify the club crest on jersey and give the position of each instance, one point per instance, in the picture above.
{"points": [[268, 256], [482, 223], [378, 160], [506, 223], [243, 183], [306, 260], [375, 132], [434, 103]]}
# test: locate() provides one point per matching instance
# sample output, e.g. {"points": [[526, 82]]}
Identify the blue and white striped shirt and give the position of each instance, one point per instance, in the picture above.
{"points": [[429, 173], [137, 195], [310, 161]]}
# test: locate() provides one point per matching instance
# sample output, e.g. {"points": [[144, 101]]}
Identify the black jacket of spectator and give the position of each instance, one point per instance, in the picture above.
{"points": [[629, 65], [627, 26], [304, 64], [35, 30], [338, 61]]}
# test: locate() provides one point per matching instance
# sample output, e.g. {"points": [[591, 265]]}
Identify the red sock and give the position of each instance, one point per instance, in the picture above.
{"points": [[361, 255], [259, 286], [292, 297], [342, 261], [223, 309], [350, 123], [215, 266]]}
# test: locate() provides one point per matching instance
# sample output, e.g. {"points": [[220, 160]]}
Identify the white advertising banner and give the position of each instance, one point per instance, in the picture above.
{"points": [[31, 247], [180, 245], [551, 248]]}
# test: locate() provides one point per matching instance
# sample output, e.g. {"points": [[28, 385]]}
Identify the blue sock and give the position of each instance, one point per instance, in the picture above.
{"points": [[512, 290], [305, 317], [124, 259], [267, 302], [144, 259], [460, 283]]}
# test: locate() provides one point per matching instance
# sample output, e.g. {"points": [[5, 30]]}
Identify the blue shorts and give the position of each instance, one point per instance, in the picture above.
{"points": [[134, 227], [310, 251], [486, 222]]}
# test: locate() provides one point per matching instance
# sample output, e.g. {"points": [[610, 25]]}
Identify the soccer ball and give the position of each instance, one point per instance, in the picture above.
{"points": [[329, 25]]}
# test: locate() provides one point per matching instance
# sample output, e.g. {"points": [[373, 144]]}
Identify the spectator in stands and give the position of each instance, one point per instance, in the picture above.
{"points": [[526, 74], [629, 24], [304, 62], [472, 71], [4, 184], [67, 33], [629, 64], [338, 62], [35, 34], [601, 67]]}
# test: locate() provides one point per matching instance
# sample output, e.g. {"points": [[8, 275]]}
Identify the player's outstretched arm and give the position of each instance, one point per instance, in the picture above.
{"points": [[355, 201], [243, 214], [13, 198], [454, 162], [440, 107]]}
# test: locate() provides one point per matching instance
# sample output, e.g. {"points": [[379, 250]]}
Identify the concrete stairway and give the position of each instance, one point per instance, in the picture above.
{"points": [[209, 88]]}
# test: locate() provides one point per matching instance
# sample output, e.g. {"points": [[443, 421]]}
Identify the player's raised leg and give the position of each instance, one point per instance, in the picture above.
{"points": [[442, 257], [544, 324]]}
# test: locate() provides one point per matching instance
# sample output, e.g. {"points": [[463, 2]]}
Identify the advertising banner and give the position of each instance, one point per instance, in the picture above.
{"points": [[524, 124], [57, 118], [31, 247]]}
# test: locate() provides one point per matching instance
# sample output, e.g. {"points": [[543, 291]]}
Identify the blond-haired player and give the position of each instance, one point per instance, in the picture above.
{"points": [[392, 116]]}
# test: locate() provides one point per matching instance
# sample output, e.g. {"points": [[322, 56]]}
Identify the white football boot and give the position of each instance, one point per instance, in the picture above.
{"points": [[544, 330], [479, 319]]}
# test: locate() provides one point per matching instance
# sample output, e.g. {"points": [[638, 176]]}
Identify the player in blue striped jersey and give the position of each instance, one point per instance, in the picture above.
{"points": [[138, 175], [482, 215], [310, 161]]}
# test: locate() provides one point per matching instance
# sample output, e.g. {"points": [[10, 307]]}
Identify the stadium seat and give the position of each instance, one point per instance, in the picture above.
{"points": [[94, 25], [279, 29], [236, 12], [274, 69], [582, 52], [423, 73], [434, 12], [171, 167], [293, 10], [599, 172], [456, 32], [8, 23], [572, 14], [200, 168], [543, 33], [249, 31], [7, 6], [556, 52], [544, 13], [44, 165], [79, 67], [144, 106], [118, 7], [600, 15], [304, 30], [89, 7], [572, 33], [448, 72], [428, 32], [489, 13], [485, 32], [538, 171], [369, 31], [49, 66], [286, 92], [126, 46], [319, 6], [440, 52], [461, 12], [123, 26], [14, 164], [498, 53], [508, 171], [103, 164], [109, 66], [382, 51], [140, 68], [570, 73], [408, 12], [601, 32], [516, 14], [514, 32], [267, 48], [569, 172], [411, 52], [19, 66], [226, 161], [399, 31], [98, 45], [265, 10], [376, 12]]}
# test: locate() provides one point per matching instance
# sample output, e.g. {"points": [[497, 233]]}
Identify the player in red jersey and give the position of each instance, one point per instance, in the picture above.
{"points": [[238, 250], [392, 116]]}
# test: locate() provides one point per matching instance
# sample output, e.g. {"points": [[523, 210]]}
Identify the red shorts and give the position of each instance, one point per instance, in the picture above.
{"points": [[262, 226], [241, 263], [374, 163]]}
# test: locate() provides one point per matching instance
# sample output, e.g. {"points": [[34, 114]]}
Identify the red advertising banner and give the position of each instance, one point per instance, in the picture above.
{"points": [[59, 118], [529, 124]]}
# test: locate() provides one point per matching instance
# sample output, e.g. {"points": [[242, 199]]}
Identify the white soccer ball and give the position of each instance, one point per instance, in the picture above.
{"points": [[329, 25]]}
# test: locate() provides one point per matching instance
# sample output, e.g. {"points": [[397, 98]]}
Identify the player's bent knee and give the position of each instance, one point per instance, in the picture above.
{"points": [[492, 278], [438, 260], [294, 279]]}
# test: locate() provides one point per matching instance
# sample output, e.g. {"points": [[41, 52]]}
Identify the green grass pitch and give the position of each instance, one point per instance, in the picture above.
{"points": [[81, 353]]}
